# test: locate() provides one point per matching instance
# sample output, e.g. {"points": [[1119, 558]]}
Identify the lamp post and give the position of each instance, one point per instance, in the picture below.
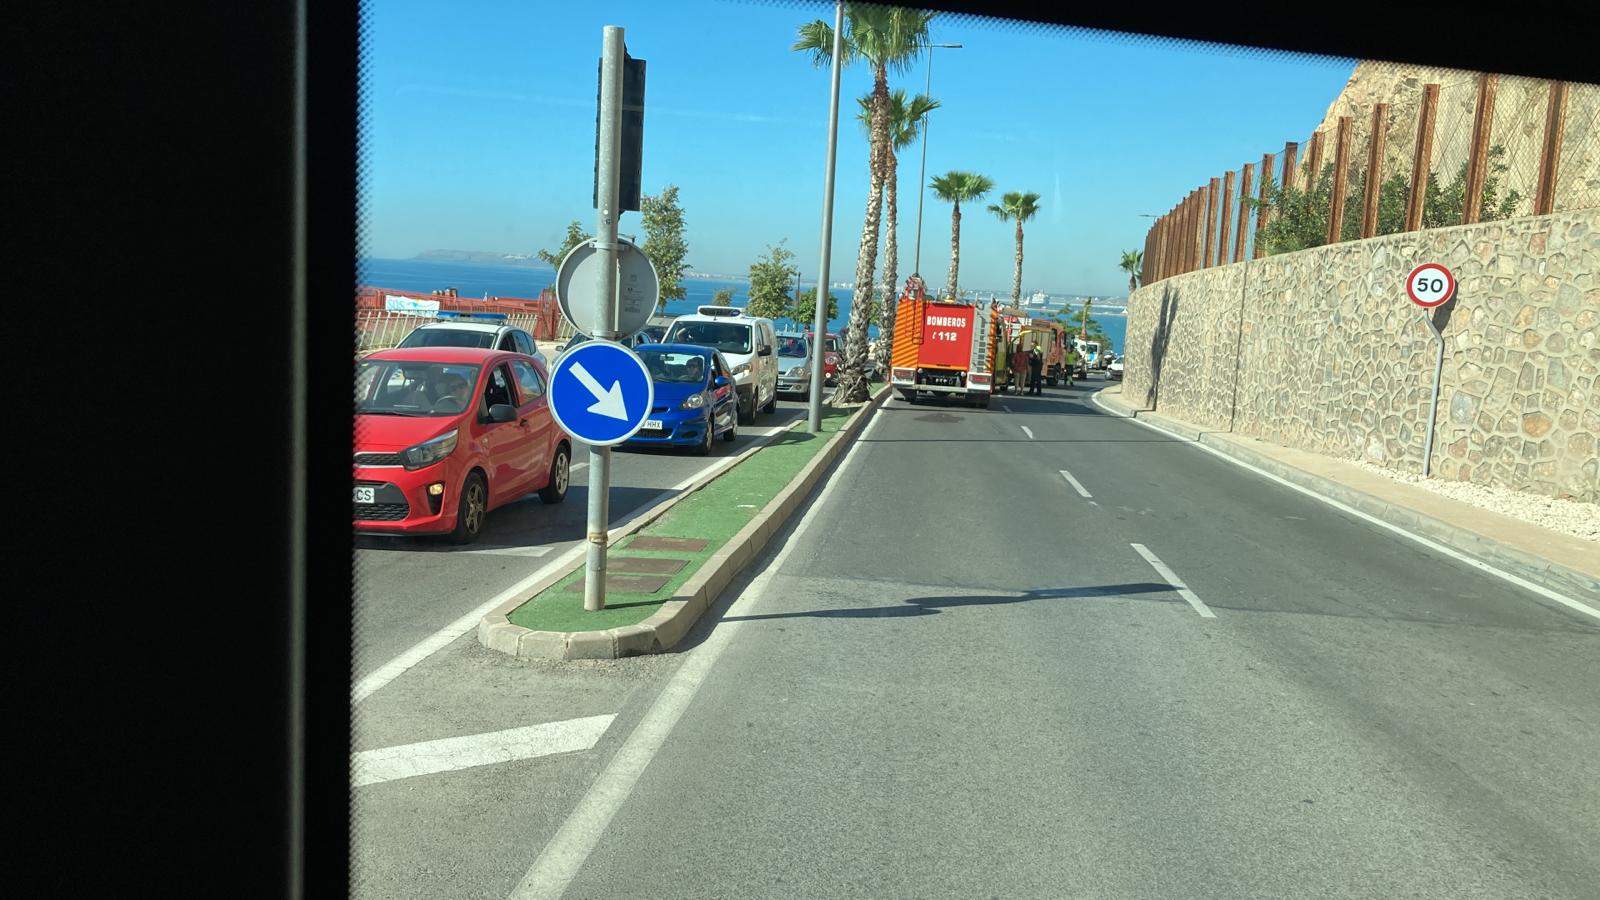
{"points": [[922, 173]]}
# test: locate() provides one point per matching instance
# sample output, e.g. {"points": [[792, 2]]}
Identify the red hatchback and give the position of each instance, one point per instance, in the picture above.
{"points": [[445, 434]]}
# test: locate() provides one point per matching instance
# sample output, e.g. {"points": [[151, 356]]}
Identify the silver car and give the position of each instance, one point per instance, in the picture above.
{"points": [[794, 364]]}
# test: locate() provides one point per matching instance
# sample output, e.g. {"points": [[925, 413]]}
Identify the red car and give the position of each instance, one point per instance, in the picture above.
{"points": [[446, 434], [831, 348]]}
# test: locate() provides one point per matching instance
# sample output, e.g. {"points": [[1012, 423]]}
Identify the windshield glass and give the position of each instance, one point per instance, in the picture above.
{"points": [[791, 346], [449, 337], [675, 368], [414, 388], [725, 336]]}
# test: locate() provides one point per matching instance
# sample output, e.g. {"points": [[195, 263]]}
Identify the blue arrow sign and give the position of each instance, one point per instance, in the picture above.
{"points": [[600, 392]]}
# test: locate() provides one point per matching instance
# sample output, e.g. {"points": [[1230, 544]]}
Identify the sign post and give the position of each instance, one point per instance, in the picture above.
{"points": [[1431, 286], [820, 318]]}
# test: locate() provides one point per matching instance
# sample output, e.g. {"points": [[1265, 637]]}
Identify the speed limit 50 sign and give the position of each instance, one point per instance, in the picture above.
{"points": [[1430, 285]]}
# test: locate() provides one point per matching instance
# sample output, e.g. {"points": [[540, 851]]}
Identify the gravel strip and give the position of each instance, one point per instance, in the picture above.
{"points": [[1572, 517]]}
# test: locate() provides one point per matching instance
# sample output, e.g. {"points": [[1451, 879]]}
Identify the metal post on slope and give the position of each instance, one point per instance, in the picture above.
{"points": [[605, 243], [820, 318]]}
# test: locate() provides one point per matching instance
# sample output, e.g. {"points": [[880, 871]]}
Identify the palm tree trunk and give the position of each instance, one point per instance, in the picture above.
{"points": [[852, 384], [1016, 278], [891, 255], [955, 248]]}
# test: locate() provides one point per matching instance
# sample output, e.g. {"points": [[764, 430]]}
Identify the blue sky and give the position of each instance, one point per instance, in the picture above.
{"points": [[478, 128]]}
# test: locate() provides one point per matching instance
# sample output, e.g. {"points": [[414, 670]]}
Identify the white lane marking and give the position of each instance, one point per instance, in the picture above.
{"points": [[576, 466], [1027, 431], [569, 849], [1002, 406], [1343, 507], [394, 668], [469, 751], [534, 552], [1068, 476], [1176, 582]]}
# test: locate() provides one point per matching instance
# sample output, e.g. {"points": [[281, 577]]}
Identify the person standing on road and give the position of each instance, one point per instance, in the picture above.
{"points": [[1070, 361], [1019, 369], [1035, 372]]}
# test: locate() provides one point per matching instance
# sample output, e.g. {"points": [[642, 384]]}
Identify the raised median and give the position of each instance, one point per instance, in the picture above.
{"points": [[666, 567]]}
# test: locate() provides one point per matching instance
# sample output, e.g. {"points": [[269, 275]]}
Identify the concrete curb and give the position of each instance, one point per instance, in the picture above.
{"points": [[1521, 563], [668, 624]]}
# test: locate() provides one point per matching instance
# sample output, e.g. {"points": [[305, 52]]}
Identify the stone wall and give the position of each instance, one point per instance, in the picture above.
{"points": [[1321, 350]]}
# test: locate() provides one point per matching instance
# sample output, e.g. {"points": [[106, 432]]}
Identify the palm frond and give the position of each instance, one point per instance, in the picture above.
{"points": [[816, 39]]}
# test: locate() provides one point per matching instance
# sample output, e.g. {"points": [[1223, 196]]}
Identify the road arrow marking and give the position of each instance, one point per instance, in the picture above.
{"points": [[606, 403]]}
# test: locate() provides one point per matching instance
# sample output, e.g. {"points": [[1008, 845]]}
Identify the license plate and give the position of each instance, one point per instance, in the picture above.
{"points": [[366, 495], [653, 424]]}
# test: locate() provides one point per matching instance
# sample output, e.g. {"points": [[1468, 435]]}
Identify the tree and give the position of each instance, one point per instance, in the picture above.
{"points": [[770, 278], [955, 188], [1133, 264], [663, 242], [804, 310], [1084, 322], [722, 297], [1300, 215], [886, 37], [906, 120], [1016, 207], [575, 236]]}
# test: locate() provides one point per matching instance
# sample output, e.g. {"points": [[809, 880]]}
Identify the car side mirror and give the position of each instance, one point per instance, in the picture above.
{"points": [[502, 412], [764, 351], [721, 381]]}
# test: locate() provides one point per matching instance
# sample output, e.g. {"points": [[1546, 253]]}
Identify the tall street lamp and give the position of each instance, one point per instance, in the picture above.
{"points": [[922, 175]]}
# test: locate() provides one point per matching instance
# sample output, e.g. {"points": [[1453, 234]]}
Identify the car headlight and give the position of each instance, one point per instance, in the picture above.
{"points": [[740, 369], [695, 401], [429, 452]]}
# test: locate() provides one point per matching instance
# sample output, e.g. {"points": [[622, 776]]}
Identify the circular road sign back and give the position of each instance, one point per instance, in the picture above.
{"points": [[638, 288], [600, 392], [1430, 285]]}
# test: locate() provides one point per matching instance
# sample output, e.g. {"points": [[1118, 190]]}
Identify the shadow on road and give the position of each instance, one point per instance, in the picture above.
{"points": [[929, 606]]}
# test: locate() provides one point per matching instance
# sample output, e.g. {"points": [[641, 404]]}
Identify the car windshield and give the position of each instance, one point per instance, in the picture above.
{"points": [[672, 367], [393, 388], [449, 337], [729, 337], [792, 346]]}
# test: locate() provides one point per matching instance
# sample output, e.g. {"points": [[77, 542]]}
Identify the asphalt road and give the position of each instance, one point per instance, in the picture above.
{"points": [[959, 676]]}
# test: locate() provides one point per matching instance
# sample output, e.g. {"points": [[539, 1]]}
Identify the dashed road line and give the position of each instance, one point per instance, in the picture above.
{"points": [[1079, 487], [1176, 582]]}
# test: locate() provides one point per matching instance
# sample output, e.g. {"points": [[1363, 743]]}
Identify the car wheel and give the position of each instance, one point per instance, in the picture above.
{"points": [[733, 430], [772, 405], [747, 411], [704, 447], [555, 490], [471, 510]]}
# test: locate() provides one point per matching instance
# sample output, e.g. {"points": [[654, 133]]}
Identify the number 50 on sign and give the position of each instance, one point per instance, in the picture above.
{"points": [[1430, 285]]}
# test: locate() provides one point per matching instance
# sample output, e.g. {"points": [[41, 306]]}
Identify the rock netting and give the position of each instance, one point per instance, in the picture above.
{"points": [[1321, 350]]}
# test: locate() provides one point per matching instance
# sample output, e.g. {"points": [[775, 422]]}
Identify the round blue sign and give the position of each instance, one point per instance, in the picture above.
{"points": [[600, 392]]}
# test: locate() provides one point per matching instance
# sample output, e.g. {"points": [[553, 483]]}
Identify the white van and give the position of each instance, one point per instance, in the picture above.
{"points": [[750, 345]]}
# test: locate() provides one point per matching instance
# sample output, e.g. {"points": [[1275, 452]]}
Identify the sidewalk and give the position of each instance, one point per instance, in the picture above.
{"points": [[1553, 560]]}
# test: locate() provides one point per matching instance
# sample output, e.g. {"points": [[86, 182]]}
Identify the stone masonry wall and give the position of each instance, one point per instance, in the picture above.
{"points": [[1321, 350]]}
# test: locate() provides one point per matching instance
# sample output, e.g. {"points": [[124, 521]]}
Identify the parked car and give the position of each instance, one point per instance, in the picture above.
{"points": [[1114, 368], [794, 364], [749, 344], [695, 398], [444, 435], [484, 335]]}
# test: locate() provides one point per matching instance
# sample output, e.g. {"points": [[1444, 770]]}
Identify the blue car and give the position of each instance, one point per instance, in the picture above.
{"points": [[695, 398]]}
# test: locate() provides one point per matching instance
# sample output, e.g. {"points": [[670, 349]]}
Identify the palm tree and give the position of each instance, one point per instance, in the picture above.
{"points": [[1019, 207], [906, 118], [887, 37], [1133, 264], [955, 187]]}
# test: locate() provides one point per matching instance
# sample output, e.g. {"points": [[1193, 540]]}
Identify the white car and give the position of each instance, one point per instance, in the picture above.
{"points": [[483, 335], [1115, 369], [750, 345]]}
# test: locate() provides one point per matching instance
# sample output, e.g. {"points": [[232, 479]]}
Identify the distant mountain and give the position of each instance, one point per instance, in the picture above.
{"points": [[485, 257]]}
